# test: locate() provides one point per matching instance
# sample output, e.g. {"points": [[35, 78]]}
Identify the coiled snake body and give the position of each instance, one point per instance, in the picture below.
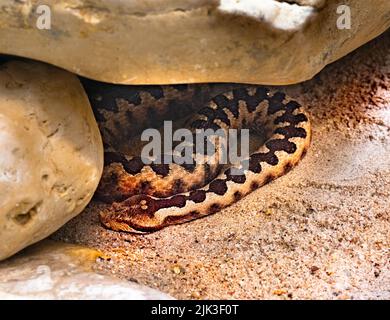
{"points": [[145, 198]]}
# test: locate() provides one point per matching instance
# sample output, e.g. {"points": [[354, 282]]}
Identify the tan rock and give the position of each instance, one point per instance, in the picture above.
{"points": [[185, 41], [52, 155]]}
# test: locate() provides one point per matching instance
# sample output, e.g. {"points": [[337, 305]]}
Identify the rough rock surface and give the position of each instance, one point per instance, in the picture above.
{"points": [[51, 152], [322, 231], [183, 41], [59, 271]]}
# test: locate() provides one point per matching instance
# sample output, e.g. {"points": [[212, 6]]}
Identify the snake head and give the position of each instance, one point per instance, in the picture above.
{"points": [[135, 214]]}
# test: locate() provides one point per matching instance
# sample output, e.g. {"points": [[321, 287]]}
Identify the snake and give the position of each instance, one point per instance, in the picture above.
{"points": [[146, 197]]}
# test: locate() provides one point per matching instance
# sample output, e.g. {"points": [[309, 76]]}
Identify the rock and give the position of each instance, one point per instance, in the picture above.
{"points": [[186, 41], [51, 270], [52, 154]]}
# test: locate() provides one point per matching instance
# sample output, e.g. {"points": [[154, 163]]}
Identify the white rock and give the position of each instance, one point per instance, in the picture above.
{"points": [[51, 152], [52, 270]]}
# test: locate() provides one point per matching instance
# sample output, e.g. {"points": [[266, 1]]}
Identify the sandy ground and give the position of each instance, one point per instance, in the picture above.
{"points": [[322, 231]]}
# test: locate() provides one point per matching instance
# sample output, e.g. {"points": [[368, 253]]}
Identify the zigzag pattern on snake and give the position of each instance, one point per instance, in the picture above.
{"points": [[146, 198]]}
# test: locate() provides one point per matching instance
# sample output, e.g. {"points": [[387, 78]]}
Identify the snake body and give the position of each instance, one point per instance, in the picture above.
{"points": [[146, 198]]}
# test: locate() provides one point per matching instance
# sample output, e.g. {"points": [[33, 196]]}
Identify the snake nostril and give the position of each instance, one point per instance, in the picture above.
{"points": [[143, 205]]}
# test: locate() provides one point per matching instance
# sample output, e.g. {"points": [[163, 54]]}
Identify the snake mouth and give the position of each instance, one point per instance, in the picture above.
{"points": [[116, 224]]}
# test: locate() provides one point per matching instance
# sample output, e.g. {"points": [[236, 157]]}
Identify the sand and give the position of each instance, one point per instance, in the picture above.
{"points": [[320, 232]]}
